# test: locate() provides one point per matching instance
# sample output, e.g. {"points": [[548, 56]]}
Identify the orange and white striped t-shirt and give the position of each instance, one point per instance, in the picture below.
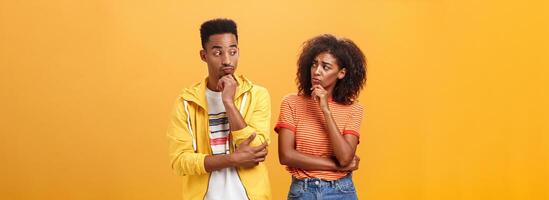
{"points": [[302, 116]]}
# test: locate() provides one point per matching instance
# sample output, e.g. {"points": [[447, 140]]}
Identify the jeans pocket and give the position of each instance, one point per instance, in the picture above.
{"points": [[296, 189], [346, 188]]}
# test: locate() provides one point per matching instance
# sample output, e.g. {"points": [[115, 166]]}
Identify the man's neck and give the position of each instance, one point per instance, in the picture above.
{"points": [[212, 84]]}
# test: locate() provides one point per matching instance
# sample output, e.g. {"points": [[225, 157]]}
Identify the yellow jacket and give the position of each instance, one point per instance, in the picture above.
{"points": [[188, 135]]}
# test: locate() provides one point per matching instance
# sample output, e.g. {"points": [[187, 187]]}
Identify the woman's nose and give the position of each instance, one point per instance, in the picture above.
{"points": [[317, 71]]}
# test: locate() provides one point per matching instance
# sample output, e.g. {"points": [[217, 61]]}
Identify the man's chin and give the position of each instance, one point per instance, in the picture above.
{"points": [[227, 72], [224, 74]]}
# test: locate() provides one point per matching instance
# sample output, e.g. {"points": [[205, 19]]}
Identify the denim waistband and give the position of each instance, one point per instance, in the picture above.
{"points": [[318, 182]]}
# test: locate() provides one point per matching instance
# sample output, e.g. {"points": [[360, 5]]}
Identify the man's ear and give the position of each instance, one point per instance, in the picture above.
{"points": [[341, 74], [203, 55]]}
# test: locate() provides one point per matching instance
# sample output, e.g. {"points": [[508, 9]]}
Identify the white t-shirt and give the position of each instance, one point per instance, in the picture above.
{"points": [[224, 184]]}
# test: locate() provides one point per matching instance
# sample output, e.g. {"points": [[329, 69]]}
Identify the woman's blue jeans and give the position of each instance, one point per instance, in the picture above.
{"points": [[317, 189]]}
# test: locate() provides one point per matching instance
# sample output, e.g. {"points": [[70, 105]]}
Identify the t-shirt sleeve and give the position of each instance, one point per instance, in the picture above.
{"points": [[353, 125], [286, 119]]}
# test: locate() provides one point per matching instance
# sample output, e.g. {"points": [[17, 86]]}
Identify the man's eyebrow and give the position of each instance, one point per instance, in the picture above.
{"points": [[220, 47]]}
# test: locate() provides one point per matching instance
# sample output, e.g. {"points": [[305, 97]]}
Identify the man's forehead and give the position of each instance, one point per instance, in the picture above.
{"points": [[222, 40]]}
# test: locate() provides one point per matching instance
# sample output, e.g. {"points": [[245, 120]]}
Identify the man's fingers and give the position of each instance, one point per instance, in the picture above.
{"points": [[228, 78], [260, 147], [261, 154], [222, 81], [220, 84]]}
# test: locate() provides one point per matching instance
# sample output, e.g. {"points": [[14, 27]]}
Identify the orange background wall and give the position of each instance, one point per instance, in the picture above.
{"points": [[456, 98]]}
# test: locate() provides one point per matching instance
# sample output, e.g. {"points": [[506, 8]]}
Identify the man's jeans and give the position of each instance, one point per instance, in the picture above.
{"points": [[317, 189]]}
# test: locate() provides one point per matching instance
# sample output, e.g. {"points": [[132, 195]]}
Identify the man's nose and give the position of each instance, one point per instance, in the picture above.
{"points": [[225, 59]]}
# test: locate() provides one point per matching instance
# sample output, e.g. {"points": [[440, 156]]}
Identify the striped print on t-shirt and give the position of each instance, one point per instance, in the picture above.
{"points": [[303, 116], [219, 131], [223, 183]]}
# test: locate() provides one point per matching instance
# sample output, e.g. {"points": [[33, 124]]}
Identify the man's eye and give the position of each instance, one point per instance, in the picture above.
{"points": [[217, 53]]}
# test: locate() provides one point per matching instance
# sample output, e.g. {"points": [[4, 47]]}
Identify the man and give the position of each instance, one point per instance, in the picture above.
{"points": [[219, 130]]}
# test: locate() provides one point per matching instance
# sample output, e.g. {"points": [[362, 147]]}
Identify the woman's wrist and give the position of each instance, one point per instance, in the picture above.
{"points": [[326, 110]]}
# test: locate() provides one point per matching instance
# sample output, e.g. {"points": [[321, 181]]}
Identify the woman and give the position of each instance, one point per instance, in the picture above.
{"points": [[318, 128]]}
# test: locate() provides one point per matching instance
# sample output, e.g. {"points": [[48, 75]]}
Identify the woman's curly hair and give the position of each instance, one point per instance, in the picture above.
{"points": [[348, 56]]}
